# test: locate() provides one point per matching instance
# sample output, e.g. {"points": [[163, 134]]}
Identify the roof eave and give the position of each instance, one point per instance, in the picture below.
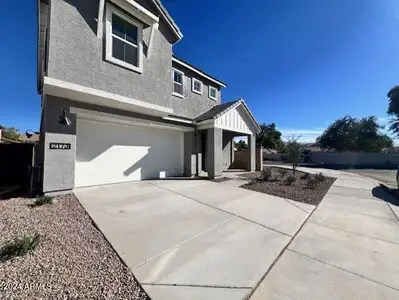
{"points": [[198, 71], [175, 29]]}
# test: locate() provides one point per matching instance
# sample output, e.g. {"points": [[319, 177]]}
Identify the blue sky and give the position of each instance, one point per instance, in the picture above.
{"points": [[300, 64]]}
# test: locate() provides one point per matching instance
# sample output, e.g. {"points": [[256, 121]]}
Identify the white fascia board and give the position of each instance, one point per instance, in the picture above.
{"points": [[197, 71], [137, 10], [175, 30], [175, 119], [246, 132], [87, 114], [85, 94]]}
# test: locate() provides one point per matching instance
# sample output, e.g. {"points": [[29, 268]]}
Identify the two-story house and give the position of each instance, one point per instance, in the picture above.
{"points": [[118, 106]]}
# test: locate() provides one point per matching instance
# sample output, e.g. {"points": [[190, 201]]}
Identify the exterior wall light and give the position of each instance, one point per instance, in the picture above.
{"points": [[64, 119]]}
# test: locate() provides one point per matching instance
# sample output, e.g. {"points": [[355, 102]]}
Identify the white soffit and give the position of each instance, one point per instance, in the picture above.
{"points": [[64, 89]]}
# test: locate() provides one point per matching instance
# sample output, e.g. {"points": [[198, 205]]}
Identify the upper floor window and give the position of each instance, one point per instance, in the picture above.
{"points": [[178, 83], [197, 86], [124, 40], [213, 93]]}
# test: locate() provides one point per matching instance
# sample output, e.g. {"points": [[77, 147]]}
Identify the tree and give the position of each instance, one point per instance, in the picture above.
{"points": [[293, 151], [241, 145], [352, 134], [10, 133], [393, 109], [269, 137]]}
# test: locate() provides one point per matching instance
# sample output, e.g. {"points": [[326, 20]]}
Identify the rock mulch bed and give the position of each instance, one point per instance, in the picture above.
{"points": [[71, 261], [297, 191]]}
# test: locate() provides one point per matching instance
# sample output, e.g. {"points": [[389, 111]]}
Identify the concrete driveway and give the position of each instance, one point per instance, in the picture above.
{"points": [[189, 239], [194, 239]]}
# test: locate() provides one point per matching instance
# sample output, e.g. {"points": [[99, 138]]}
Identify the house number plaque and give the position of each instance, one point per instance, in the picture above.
{"points": [[60, 146]]}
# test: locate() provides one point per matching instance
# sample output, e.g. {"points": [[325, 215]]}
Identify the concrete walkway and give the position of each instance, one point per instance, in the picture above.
{"points": [[348, 249]]}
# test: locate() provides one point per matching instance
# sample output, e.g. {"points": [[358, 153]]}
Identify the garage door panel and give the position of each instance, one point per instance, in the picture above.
{"points": [[110, 153]]}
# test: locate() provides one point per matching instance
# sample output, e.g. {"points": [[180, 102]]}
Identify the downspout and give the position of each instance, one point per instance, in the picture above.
{"points": [[100, 18]]}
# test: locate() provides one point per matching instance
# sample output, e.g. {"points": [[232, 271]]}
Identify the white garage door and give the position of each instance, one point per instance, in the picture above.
{"points": [[111, 153]]}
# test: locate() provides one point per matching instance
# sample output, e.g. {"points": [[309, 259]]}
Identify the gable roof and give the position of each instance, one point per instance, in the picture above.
{"points": [[215, 111], [169, 20], [219, 110]]}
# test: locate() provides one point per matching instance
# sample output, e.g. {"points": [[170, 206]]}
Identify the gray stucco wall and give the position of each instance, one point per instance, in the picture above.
{"points": [[214, 152], [252, 156], [228, 149], [58, 165], [193, 104], [190, 154], [76, 55]]}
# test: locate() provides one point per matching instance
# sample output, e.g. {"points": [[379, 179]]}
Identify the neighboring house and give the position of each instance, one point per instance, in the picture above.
{"points": [[118, 106], [35, 137]]}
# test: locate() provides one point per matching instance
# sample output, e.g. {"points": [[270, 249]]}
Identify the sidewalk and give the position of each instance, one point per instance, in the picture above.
{"points": [[348, 248]]}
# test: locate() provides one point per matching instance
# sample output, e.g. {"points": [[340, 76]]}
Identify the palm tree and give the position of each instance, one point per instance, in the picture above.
{"points": [[393, 109]]}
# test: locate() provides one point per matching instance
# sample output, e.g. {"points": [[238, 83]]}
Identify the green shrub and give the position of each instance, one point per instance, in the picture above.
{"points": [[19, 247], [305, 176], [266, 174], [290, 180], [282, 172], [312, 183], [43, 200], [320, 177]]}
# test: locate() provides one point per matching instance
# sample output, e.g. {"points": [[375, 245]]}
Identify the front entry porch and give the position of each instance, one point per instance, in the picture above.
{"points": [[217, 152], [210, 148]]}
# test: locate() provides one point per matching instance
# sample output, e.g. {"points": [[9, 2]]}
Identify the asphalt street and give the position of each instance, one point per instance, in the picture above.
{"points": [[386, 176]]}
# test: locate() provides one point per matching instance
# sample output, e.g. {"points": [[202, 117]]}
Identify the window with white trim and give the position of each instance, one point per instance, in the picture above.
{"points": [[213, 93], [124, 40], [197, 86], [178, 83]]}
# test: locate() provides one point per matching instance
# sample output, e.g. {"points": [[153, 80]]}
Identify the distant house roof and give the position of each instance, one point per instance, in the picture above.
{"points": [[34, 138]]}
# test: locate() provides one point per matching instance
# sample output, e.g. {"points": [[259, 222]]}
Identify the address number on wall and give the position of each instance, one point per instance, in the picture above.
{"points": [[60, 146]]}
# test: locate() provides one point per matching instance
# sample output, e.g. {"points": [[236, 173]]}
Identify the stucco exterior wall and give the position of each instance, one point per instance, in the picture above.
{"points": [[76, 55], [58, 165], [214, 159], [193, 104], [228, 149], [190, 154], [252, 156]]}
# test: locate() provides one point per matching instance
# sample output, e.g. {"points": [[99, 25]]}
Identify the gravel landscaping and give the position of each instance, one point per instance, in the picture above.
{"points": [[306, 188], [71, 261]]}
